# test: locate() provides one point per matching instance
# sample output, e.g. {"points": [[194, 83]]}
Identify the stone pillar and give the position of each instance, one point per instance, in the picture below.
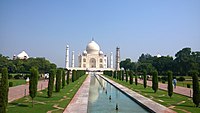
{"points": [[117, 58], [67, 57], [72, 58], [111, 60]]}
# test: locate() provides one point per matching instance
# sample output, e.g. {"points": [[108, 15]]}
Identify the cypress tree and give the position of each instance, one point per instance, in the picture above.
{"points": [[196, 91], [33, 83], [145, 78], [131, 77], [58, 80], [73, 75], [4, 90], [114, 74], [122, 72], [51, 82], [126, 76], [170, 86], [155, 81], [68, 72], [119, 75], [63, 78], [136, 79]]}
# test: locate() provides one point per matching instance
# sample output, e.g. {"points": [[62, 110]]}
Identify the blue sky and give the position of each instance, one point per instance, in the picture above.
{"points": [[43, 28]]}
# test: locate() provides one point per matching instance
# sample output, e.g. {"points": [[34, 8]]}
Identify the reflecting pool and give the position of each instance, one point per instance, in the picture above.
{"points": [[105, 98]]}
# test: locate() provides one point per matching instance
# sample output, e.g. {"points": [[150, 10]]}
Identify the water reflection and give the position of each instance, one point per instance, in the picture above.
{"points": [[104, 98]]}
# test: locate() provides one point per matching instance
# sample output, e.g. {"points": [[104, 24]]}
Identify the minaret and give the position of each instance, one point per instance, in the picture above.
{"points": [[72, 58], [67, 57], [111, 60], [117, 58]]}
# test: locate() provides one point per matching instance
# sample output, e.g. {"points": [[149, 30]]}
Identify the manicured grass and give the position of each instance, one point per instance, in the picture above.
{"points": [[17, 82], [42, 103], [180, 103]]}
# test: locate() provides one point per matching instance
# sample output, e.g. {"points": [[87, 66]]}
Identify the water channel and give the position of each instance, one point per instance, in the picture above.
{"points": [[105, 98]]}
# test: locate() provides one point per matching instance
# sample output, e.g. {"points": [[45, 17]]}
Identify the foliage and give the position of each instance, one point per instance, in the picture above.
{"points": [[136, 79], [63, 78], [145, 78], [170, 86], [181, 79], [131, 77], [52, 74], [3, 90], [68, 73], [155, 80], [119, 75], [58, 80], [73, 75], [188, 85], [127, 74], [196, 91], [10, 84], [24, 66], [122, 73], [33, 83], [128, 65]]}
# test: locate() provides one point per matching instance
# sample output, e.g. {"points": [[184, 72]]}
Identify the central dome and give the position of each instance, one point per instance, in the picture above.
{"points": [[93, 48]]}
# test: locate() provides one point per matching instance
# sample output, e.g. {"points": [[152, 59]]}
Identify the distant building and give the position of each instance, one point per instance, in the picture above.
{"points": [[22, 55]]}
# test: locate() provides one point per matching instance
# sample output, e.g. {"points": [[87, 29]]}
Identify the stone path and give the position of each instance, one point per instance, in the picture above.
{"points": [[79, 103], [20, 91], [179, 90]]}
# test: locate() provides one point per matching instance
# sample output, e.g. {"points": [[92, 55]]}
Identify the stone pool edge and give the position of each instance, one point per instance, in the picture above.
{"points": [[79, 103], [143, 101]]}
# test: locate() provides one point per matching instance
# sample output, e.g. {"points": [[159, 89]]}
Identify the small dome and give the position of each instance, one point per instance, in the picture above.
{"points": [[93, 48], [84, 52], [101, 52]]}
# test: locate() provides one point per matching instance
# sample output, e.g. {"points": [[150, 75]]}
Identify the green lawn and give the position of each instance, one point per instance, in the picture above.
{"points": [[179, 102], [17, 82], [42, 103]]}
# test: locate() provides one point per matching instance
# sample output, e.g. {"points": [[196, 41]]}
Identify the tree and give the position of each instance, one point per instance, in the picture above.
{"points": [[119, 74], [51, 82], [126, 76], [68, 72], [58, 80], [145, 79], [122, 72], [136, 79], [195, 84], [170, 86], [155, 81], [115, 74], [4, 90], [63, 78], [73, 75], [131, 77], [33, 83]]}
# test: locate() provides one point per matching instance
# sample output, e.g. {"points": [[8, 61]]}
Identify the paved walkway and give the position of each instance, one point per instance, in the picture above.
{"points": [[179, 90], [148, 103], [79, 103], [20, 91]]}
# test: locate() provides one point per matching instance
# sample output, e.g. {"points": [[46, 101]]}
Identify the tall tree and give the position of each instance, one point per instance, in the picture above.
{"points": [[33, 83], [122, 73], [58, 80], [73, 75], [51, 82], [196, 91], [68, 73], [127, 75], [155, 81], [63, 78], [170, 86], [136, 79], [3, 90], [145, 78], [131, 77]]}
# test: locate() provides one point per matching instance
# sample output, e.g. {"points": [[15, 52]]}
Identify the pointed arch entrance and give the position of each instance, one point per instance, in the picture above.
{"points": [[92, 63]]}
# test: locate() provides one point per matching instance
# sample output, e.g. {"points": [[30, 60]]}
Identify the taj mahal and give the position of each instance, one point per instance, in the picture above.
{"points": [[92, 58]]}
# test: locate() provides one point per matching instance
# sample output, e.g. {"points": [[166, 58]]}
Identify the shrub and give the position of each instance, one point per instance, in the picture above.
{"points": [[51, 82], [170, 87], [188, 85], [164, 78], [163, 81], [58, 80], [18, 76], [145, 78], [10, 84], [155, 81], [10, 76], [181, 79], [196, 91]]}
